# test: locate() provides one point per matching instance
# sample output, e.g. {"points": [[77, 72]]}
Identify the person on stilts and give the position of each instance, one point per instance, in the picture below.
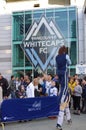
{"points": [[62, 63]]}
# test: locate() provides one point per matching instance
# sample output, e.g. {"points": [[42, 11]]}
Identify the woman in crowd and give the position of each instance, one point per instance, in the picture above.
{"points": [[77, 95]]}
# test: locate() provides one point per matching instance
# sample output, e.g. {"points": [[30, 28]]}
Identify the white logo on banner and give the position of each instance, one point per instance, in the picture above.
{"points": [[35, 106], [8, 118]]}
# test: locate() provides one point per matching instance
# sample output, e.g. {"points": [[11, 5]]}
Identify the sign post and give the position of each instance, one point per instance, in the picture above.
{"points": [[81, 69]]}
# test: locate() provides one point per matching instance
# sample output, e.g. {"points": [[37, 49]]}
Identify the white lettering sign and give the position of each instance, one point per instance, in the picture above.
{"points": [[80, 69]]}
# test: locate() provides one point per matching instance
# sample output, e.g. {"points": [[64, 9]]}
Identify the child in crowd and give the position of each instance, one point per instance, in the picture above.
{"points": [[20, 93], [53, 91]]}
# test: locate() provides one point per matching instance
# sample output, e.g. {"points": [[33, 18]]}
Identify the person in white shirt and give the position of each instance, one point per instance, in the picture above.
{"points": [[48, 83], [53, 90], [32, 89]]}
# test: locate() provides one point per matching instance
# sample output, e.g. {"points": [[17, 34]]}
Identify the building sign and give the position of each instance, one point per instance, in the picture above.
{"points": [[42, 42], [81, 69]]}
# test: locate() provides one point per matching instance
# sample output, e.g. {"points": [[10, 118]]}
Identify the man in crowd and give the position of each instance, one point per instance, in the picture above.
{"points": [[4, 85]]}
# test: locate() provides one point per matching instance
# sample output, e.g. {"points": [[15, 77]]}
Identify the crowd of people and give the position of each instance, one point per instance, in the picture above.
{"points": [[77, 87], [45, 85], [28, 87]]}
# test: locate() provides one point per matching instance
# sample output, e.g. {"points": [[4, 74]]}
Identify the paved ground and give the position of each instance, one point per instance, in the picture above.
{"points": [[78, 123]]}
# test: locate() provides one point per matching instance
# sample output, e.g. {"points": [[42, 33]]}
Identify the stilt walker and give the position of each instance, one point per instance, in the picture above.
{"points": [[62, 62]]}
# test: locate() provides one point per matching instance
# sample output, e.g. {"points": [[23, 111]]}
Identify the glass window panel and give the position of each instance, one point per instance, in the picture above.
{"points": [[18, 27], [28, 22], [38, 13], [61, 19], [73, 53], [72, 24], [18, 56], [72, 72], [49, 13]]}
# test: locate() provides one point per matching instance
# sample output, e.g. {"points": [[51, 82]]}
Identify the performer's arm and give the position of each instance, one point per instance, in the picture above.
{"points": [[68, 60]]}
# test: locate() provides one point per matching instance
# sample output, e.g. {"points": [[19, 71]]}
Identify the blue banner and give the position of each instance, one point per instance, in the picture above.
{"points": [[29, 108]]}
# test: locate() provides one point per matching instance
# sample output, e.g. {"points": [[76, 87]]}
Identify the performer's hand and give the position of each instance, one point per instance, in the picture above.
{"points": [[64, 104]]}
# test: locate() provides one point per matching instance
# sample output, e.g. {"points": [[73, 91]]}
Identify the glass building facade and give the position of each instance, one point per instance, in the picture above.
{"points": [[37, 35]]}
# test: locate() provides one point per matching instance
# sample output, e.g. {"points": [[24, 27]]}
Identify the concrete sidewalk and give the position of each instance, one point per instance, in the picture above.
{"points": [[78, 123]]}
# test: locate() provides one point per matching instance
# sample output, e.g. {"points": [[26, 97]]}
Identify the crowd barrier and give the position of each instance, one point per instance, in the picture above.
{"points": [[28, 108]]}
